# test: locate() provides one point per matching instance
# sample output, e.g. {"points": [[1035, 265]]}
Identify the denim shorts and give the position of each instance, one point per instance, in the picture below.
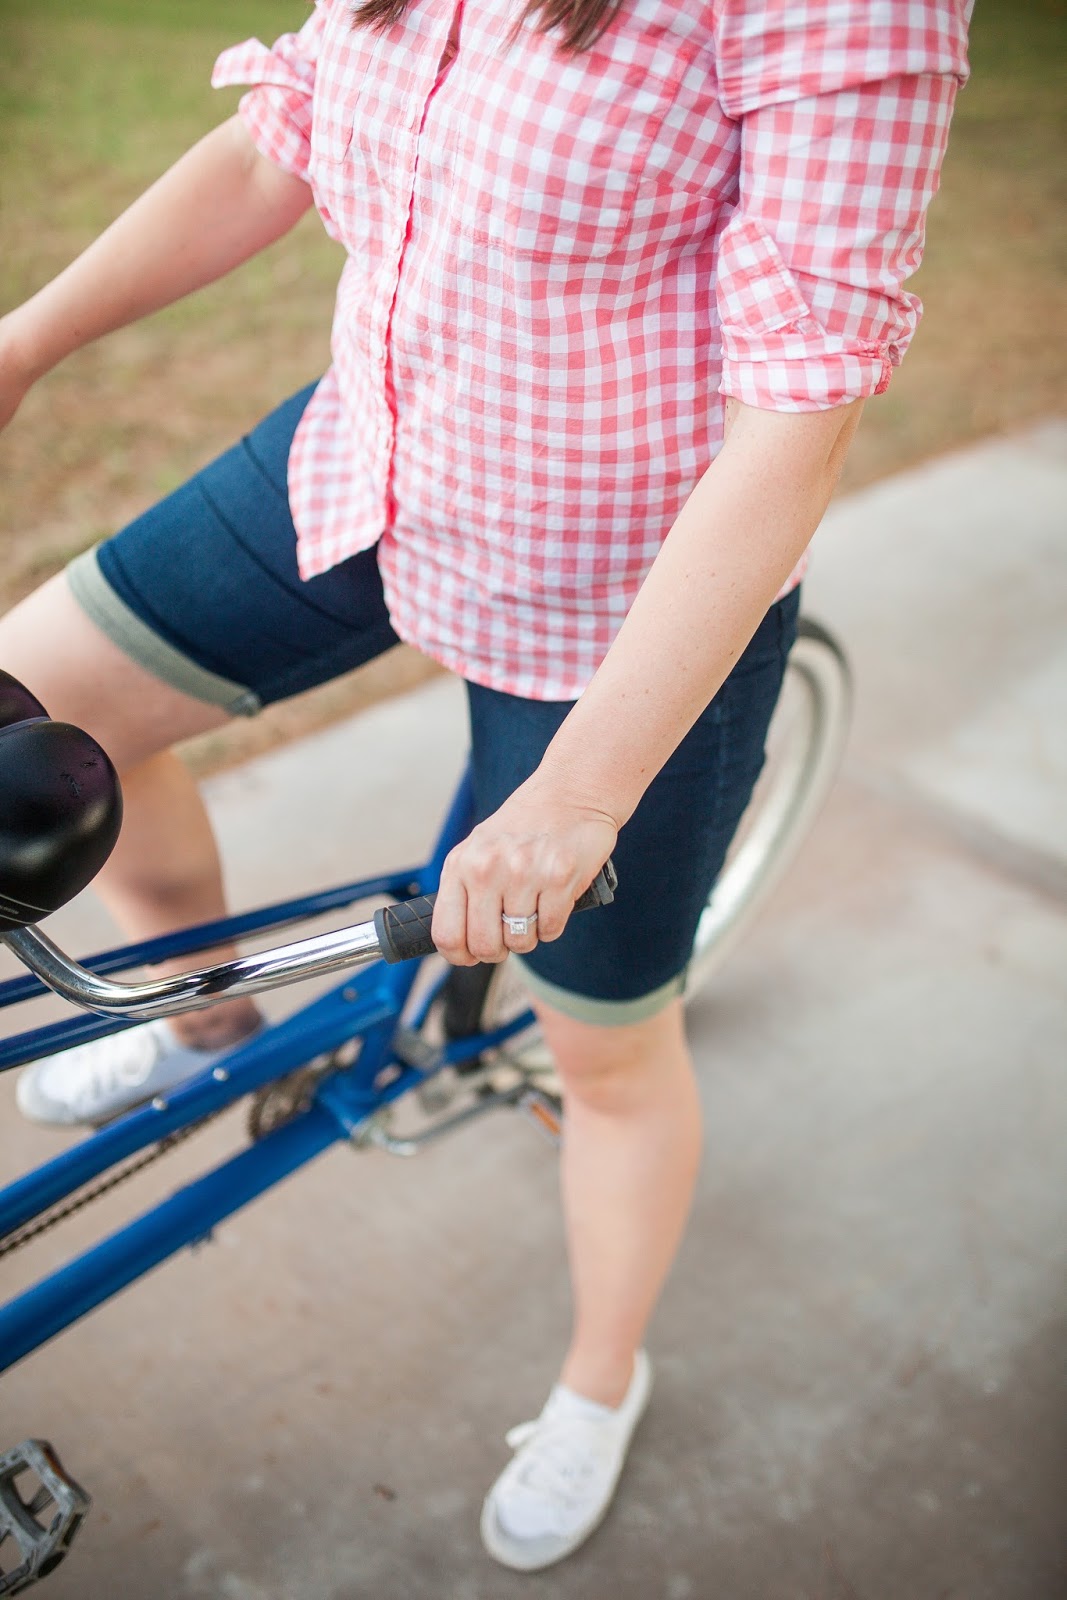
{"points": [[203, 592]]}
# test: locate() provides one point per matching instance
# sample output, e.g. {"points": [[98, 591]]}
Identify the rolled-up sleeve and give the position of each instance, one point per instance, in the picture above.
{"points": [[844, 116], [277, 110]]}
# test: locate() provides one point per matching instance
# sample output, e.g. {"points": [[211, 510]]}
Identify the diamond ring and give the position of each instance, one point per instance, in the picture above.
{"points": [[520, 926]]}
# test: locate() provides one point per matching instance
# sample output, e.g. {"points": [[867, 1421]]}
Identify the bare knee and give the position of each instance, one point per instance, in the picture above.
{"points": [[616, 1069], [80, 676]]}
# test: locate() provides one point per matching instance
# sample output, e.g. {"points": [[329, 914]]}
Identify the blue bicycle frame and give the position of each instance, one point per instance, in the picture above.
{"points": [[367, 1006]]}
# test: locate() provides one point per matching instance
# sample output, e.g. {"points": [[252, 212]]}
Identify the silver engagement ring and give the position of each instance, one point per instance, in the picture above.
{"points": [[520, 926]]}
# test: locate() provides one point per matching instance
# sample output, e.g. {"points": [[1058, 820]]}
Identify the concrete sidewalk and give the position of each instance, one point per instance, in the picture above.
{"points": [[861, 1386]]}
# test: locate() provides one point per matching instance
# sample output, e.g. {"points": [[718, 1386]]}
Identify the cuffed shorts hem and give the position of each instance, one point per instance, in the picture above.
{"points": [[601, 1013], [135, 639]]}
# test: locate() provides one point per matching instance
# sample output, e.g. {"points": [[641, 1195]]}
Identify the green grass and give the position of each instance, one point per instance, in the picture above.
{"points": [[990, 353], [99, 96], [96, 99]]}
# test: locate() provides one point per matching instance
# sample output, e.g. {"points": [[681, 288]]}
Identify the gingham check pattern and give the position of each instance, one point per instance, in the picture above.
{"points": [[557, 268]]}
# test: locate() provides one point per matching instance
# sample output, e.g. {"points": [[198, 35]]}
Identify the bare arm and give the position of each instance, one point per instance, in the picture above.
{"points": [[733, 545], [728, 553], [840, 318], [217, 206]]}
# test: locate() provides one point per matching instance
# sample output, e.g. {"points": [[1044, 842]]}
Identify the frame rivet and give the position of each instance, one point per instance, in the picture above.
{"points": [[220, 1074], [350, 993], [159, 1104]]}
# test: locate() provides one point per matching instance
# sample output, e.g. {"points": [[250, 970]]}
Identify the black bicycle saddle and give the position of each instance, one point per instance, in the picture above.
{"points": [[60, 808]]}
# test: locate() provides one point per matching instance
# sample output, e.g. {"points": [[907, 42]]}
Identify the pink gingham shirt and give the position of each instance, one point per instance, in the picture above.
{"points": [[558, 267]]}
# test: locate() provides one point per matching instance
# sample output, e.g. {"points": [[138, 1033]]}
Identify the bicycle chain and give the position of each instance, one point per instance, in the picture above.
{"points": [[270, 1108], [18, 1237]]}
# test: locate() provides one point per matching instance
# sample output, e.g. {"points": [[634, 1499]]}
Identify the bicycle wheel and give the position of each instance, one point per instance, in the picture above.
{"points": [[805, 743], [804, 748]]}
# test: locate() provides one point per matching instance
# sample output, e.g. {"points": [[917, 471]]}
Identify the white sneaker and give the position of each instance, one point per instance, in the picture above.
{"points": [[559, 1485], [94, 1082]]}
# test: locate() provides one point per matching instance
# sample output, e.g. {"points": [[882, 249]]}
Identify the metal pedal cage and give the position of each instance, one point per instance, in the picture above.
{"points": [[41, 1544]]}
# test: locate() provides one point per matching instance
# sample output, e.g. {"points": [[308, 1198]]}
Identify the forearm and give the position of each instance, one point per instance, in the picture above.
{"points": [[217, 206], [731, 548]]}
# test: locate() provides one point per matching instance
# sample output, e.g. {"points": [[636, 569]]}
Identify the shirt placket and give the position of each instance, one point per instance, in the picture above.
{"points": [[441, 48]]}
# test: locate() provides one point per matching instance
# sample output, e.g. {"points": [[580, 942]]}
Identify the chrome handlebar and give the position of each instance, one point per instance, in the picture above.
{"points": [[399, 932], [192, 991]]}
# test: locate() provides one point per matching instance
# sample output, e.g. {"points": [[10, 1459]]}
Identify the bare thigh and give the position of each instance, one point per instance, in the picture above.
{"points": [[80, 676]]}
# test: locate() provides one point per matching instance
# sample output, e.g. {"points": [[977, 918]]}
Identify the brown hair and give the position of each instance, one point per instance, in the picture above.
{"points": [[581, 22]]}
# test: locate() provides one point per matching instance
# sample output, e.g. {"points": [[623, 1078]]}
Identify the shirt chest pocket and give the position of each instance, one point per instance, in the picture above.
{"points": [[554, 163]]}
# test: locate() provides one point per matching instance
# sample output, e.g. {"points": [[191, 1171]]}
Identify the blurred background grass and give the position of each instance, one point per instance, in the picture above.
{"points": [[97, 97]]}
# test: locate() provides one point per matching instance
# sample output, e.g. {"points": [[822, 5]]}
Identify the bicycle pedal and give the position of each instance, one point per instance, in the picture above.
{"points": [[38, 1518]]}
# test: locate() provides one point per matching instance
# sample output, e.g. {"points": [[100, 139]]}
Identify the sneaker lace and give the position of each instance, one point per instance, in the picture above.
{"points": [[563, 1456]]}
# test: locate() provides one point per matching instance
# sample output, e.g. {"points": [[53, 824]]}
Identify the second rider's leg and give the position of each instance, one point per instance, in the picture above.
{"points": [[195, 612], [164, 872]]}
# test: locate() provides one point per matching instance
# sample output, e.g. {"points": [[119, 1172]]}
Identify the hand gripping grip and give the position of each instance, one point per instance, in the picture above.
{"points": [[404, 930]]}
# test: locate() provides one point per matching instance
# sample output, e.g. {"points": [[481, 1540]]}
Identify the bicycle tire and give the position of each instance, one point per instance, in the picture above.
{"points": [[805, 744]]}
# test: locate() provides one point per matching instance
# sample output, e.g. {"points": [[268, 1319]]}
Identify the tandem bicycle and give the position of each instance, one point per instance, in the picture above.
{"points": [[458, 1043]]}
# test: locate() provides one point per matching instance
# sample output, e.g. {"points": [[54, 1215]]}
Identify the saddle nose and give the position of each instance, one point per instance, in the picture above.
{"points": [[60, 808]]}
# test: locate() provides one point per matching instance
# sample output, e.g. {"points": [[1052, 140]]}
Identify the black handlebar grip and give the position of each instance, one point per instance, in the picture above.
{"points": [[403, 930], [601, 892]]}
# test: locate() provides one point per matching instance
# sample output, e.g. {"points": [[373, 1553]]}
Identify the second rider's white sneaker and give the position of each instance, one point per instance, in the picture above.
{"points": [[560, 1483], [95, 1082]]}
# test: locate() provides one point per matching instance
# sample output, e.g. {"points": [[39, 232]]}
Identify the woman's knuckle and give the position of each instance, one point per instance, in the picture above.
{"points": [[481, 867], [560, 871], [517, 861], [449, 870], [450, 948], [482, 950]]}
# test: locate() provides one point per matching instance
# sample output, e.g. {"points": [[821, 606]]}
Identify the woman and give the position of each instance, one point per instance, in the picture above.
{"points": [[620, 277]]}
